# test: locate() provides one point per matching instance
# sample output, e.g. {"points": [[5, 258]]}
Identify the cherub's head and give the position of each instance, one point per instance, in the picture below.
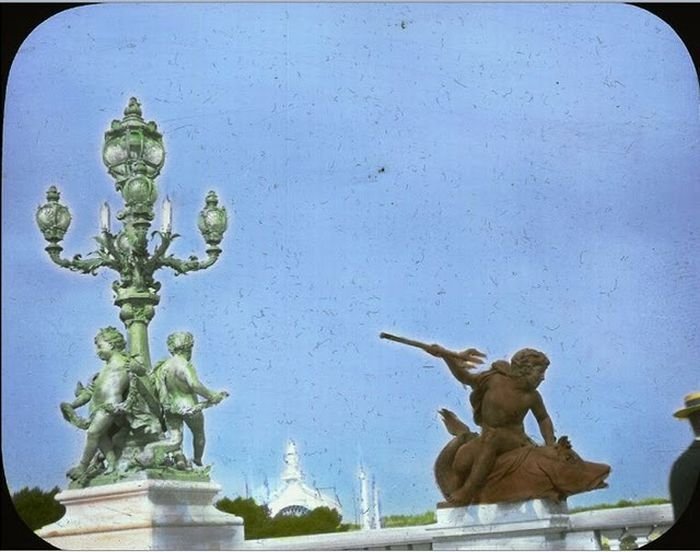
{"points": [[529, 365], [108, 341], [181, 343]]}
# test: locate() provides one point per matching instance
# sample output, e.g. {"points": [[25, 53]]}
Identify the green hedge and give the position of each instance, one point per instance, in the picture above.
{"points": [[259, 524]]}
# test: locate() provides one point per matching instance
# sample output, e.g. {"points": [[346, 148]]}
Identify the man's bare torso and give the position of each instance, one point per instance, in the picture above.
{"points": [[505, 404]]}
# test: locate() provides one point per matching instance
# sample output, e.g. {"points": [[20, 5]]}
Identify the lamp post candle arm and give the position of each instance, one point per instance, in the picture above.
{"points": [[192, 264], [212, 224], [88, 265]]}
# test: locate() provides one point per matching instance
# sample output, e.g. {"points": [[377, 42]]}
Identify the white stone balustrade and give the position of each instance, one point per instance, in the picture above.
{"points": [[532, 525], [616, 526]]}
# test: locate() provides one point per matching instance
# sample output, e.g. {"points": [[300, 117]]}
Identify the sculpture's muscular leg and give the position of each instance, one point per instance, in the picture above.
{"points": [[105, 445], [98, 427], [482, 466], [119, 440], [492, 444], [466, 455], [461, 466], [196, 425]]}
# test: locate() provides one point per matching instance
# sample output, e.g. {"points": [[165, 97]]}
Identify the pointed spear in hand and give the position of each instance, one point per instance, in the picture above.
{"points": [[469, 356]]}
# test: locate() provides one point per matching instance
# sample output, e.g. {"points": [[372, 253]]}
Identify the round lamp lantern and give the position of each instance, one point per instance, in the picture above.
{"points": [[212, 220], [53, 218], [130, 143]]}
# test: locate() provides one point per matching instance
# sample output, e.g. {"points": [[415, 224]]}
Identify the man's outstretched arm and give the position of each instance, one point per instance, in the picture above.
{"points": [[460, 369]]}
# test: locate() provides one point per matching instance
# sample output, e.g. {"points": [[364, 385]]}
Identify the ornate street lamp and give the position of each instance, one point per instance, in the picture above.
{"points": [[134, 155]]}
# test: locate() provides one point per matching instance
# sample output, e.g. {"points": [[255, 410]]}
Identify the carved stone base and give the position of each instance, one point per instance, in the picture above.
{"points": [[144, 514], [527, 525], [505, 512]]}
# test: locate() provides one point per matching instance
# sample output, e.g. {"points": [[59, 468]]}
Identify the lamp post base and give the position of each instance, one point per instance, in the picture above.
{"points": [[144, 514]]}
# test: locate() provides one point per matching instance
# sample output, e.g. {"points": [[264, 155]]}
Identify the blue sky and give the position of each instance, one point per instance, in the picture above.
{"points": [[496, 176]]}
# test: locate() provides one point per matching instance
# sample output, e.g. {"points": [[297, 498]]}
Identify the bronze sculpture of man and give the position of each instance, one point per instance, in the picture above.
{"points": [[501, 398], [502, 464]]}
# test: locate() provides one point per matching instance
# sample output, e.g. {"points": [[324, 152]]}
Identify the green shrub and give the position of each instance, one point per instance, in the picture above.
{"points": [[36, 507], [259, 524], [426, 518], [621, 504]]}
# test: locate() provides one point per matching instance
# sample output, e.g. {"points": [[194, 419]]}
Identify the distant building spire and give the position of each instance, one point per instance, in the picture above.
{"points": [[292, 470], [365, 506], [295, 496], [266, 484], [376, 518]]}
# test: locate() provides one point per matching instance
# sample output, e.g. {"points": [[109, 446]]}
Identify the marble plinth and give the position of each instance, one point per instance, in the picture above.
{"points": [[506, 512], [144, 514], [525, 525]]}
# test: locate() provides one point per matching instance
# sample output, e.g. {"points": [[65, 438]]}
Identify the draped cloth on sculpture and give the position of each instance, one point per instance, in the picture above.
{"points": [[477, 395]]}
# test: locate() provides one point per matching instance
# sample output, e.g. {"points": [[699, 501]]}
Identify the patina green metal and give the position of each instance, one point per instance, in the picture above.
{"points": [[136, 416], [134, 155], [53, 218], [178, 388], [166, 473], [126, 407], [131, 140]]}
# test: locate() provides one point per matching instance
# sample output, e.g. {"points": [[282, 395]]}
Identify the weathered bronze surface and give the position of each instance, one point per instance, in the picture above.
{"points": [[501, 463]]}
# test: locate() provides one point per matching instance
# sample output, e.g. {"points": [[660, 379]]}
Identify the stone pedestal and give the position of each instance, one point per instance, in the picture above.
{"points": [[147, 514], [526, 525], [506, 512]]}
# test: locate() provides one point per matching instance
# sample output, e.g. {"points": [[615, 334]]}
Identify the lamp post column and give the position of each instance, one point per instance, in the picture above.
{"points": [[136, 310], [134, 154]]}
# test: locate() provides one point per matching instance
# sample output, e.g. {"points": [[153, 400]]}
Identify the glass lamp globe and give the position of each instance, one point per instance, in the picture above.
{"points": [[212, 220], [132, 141], [53, 218]]}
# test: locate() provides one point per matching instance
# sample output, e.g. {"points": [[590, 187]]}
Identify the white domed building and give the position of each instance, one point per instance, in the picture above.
{"points": [[296, 497]]}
